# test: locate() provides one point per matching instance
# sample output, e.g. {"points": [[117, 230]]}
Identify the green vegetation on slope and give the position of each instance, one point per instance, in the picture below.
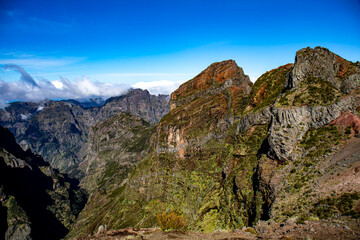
{"points": [[346, 204], [268, 87], [313, 91], [298, 197], [117, 145]]}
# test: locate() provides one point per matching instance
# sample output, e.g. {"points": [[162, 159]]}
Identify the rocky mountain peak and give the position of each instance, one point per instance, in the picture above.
{"points": [[326, 65], [214, 79], [132, 93], [140, 103]]}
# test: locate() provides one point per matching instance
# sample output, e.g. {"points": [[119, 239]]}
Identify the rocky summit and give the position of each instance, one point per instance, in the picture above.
{"points": [[59, 130], [232, 155]]}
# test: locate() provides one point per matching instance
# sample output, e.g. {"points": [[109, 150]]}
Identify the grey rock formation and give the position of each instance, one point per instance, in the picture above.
{"points": [[139, 103], [351, 82], [321, 63], [263, 116], [318, 62], [288, 125]]}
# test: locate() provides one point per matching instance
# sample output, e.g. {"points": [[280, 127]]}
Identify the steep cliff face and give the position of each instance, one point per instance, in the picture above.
{"points": [[36, 201], [116, 147], [230, 153], [59, 130], [59, 133], [17, 117]]}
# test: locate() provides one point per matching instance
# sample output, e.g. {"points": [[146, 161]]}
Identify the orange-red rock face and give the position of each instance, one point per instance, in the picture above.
{"points": [[348, 119], [212, 80], [202, 105]]}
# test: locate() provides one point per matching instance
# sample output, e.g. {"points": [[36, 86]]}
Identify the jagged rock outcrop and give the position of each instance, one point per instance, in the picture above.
{"points": [[290, 117], [289, 125], [36, 201], [59, 130], [321, 63]]}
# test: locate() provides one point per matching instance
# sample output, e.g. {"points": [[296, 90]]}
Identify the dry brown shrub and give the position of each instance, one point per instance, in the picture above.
{"points": [[172, 220]]}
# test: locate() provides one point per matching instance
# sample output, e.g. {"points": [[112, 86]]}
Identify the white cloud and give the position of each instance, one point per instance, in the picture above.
{"points": [[79, 89], [62, 88], [58, 84], [158, 87]]}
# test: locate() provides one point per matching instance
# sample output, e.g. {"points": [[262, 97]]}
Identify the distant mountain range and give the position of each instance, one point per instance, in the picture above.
{"points": [[59, 130]]}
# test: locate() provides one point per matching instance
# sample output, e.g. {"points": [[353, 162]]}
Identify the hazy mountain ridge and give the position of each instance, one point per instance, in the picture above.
{"points": [[59, 130], [231, 153]]}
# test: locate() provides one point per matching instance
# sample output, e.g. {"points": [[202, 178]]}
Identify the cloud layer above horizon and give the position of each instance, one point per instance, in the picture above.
{"points": [[27, 89]]}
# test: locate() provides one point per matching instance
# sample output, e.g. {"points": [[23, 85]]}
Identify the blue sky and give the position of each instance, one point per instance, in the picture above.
{"points": [[139, 41]]}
